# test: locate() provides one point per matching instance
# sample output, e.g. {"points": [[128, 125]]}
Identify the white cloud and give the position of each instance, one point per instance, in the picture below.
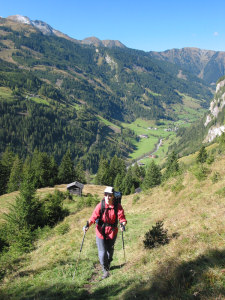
{"points": [[216, 33]]}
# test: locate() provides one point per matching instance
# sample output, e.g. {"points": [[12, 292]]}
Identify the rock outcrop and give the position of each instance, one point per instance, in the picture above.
{"points": [[216, 106]]}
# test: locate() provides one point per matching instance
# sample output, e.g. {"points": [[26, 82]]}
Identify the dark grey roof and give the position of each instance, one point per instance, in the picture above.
{"points": [[75, 184]]}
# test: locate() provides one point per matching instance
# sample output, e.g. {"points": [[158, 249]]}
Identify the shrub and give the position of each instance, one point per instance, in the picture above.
{"points": [[210, 159], [202, 155], [53, 208], [200, 172], [87, 201], [156, 236], [216, 177]]}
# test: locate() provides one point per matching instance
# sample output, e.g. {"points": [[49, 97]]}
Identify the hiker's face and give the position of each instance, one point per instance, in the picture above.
{"points": [[108, 198]]}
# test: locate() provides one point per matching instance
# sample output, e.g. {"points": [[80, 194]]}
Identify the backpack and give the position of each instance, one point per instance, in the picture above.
{"points": [[117, 199]]}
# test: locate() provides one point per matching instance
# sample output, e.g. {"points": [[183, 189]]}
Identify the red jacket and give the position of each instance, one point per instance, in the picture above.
{"points": [[109, 217]]}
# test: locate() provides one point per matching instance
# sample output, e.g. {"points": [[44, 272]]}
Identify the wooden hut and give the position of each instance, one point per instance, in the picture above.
{"points": [[75, 188]]}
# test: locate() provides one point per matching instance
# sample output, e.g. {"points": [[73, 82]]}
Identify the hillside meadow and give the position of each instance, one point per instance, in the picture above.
{"points": [[190, 266]]}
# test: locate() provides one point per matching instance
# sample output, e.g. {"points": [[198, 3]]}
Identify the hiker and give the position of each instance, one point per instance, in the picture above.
{"points": [[106, 215]]}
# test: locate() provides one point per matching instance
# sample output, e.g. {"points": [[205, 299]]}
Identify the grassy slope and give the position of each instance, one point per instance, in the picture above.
{"points": [[191, 265]]}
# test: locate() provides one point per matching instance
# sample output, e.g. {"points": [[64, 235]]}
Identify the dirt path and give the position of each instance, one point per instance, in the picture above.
{"points": [[96, 277]]}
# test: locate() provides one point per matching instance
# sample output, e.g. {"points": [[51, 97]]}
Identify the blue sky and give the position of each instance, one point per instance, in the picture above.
{"points": [[143, 24]]}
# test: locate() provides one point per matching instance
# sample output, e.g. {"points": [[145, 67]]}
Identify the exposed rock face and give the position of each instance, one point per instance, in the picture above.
{"points": [[214, 132], [42, 26], [20, 19], [220, 85], [216, 107]]}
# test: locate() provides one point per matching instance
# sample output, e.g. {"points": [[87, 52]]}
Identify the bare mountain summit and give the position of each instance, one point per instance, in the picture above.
{"points": [[46, 29], [102, 43]]}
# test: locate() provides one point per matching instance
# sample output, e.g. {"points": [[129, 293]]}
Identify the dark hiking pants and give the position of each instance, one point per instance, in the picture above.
{"points": [[105, 251]]}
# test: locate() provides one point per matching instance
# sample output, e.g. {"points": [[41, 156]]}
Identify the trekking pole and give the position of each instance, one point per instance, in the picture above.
{"points": [[80, 249], [123, 227]]}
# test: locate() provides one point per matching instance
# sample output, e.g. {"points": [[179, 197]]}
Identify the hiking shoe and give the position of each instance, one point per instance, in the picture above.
{"points": [[105, 274]]}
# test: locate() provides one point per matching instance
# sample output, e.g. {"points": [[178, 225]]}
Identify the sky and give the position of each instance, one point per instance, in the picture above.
{"points": [[139, 24]]}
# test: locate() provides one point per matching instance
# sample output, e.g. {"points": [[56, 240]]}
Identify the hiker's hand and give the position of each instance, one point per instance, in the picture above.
{"points": [[122, 226], [86, 227]]}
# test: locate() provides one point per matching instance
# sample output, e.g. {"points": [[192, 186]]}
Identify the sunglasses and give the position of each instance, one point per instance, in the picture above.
{"points": [[108, 194]]}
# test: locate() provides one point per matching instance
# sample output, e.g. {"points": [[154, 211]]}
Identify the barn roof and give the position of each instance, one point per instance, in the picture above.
{"points": [[75, 184]]}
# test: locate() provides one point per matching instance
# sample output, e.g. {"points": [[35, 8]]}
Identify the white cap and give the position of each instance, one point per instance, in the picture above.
{"points": [[109, 189]]}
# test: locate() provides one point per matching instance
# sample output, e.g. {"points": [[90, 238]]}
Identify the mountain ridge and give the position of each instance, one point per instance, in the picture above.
{"points": [[208, 65], [48, 30]]}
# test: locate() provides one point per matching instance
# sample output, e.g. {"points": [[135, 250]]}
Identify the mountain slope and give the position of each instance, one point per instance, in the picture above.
{"points": [[122, 83], [191, 265], [61, 81], [207, 128], [34, 114], [206, 64]]}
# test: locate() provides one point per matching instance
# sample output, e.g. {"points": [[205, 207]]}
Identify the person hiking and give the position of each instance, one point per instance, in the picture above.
{"points": [[106, 215]]}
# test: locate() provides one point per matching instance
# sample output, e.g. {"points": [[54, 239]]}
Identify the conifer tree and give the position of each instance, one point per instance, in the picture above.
{"points": [[172, 165], [117, 166], [53, 172], [24, 216], [40, 165], [138, 171], [27, 170], [15, 176], [103, 175], [127, 183], [118, 182], [202, 155], [138, 174], [7, 161], [152, 177], [66, 172], [79, 171], [3, 178]]}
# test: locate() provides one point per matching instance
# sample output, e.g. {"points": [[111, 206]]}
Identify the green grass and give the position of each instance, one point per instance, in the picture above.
{"points": [[6, 94], [39, 100], [147, 145], [190, 110], [108, 123]]}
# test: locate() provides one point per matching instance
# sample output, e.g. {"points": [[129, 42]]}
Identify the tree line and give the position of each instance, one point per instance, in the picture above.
{"points": [[42, 169], [127, 180]]}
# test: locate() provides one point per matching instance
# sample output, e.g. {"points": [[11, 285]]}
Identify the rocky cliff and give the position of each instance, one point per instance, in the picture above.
{"points": [[216, 108]]}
